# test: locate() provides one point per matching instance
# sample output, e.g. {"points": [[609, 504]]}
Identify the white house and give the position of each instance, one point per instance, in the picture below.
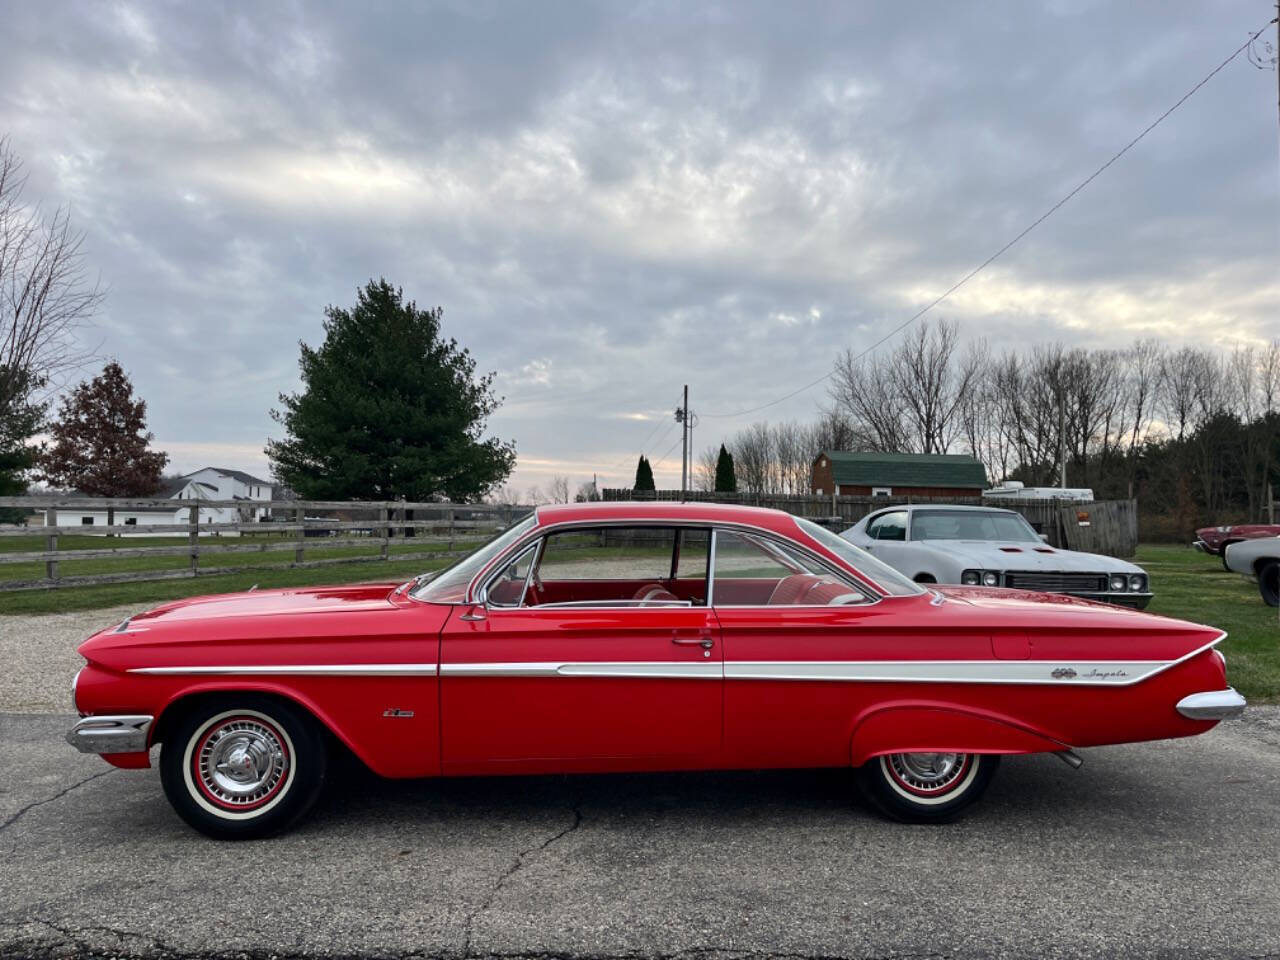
{"points": [[209, 483]]}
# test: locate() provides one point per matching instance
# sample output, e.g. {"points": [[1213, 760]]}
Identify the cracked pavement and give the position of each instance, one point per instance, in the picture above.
{"points": [[1164, 849]]}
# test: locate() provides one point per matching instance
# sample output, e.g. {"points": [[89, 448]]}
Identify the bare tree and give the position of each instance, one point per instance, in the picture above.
{"points": [[535, 496], [558, 489], [45, 294], [1178, 389], [754, 460], [505, 496], [704, 469]]}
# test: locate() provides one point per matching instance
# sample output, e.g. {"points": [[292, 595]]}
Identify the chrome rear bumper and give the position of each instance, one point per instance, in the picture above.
{"points": [[119, 734], [1214, 705]]}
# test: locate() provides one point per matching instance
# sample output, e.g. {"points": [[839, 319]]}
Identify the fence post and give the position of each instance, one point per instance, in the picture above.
{"points": [[1271, 505], [384, 516], [299, 517], [449, 513], [51, 544], [193, 537]]}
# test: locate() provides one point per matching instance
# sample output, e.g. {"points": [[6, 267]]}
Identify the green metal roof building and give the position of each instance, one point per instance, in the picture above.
{"points": [[897, 474]]}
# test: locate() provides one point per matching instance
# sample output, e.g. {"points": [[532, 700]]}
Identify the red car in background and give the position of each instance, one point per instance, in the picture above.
{"points": [[1215, 540], [630, 637]]}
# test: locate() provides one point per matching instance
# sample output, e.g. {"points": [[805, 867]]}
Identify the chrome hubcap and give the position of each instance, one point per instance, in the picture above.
{"points": [[241, 762], [928, 772]]}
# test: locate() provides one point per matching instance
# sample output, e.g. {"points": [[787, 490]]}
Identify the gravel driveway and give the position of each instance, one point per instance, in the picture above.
{"points": [[40, 659]]}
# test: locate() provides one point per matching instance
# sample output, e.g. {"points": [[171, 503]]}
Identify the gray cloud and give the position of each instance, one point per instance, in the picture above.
{"points": [[610, 201]]}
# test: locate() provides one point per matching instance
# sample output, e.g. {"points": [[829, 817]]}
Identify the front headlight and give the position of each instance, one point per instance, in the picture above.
{"points": [[991, 579], [1224, 529], [1119, 582], [1137, 582], [971, 577]]}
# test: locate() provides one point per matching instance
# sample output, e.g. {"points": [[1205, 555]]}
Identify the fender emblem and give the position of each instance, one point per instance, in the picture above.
{"points": [[1063, 673], [397, 712]]}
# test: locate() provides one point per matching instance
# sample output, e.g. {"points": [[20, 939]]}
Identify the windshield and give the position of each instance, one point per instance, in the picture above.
{"points": [[889, 580], [451, 585], [971, 525]]}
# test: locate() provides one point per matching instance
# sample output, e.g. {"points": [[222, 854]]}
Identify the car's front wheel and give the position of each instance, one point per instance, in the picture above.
{"points": [[926, 787], [1222, 554], [1269, 583], [244, 767]]}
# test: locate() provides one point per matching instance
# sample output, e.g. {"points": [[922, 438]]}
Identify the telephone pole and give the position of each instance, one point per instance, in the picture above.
{"points": [[682, 415]]}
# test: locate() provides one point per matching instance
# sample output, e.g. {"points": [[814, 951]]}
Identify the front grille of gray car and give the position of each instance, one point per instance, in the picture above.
{"points": [[1056, 582]]}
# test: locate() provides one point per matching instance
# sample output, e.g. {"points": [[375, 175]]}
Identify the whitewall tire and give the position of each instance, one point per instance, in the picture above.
{"points": [[925, 787], [243, 767]]}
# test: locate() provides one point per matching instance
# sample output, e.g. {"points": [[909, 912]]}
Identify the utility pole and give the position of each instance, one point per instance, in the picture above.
{"points": [[682, 416]]}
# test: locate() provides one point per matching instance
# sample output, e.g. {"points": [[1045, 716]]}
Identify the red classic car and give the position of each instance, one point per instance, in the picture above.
{"points": [[628, 636], [1215, 540]]}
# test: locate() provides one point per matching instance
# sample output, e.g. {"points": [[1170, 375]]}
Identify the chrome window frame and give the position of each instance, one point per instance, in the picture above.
{"points": [[475, 590], [871, 595], [536, 548]]}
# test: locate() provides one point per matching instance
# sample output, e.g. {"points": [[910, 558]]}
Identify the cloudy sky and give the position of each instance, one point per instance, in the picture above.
{"points": [[612, 200]]}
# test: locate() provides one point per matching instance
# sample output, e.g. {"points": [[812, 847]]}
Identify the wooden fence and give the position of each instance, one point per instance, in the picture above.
{"points": [[436, 527], [1107, 526]]}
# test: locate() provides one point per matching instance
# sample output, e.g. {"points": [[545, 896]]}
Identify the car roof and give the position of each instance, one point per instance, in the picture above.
{"points": [[649, 511], [953, 507]]}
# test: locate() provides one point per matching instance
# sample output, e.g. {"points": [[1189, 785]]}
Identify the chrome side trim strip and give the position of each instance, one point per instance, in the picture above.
{"points": [[302, 669], [672, 670], [1212, 705], [111, 734], [1093, 673]]}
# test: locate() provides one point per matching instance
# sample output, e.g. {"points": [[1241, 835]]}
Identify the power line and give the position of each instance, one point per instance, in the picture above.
{"points": [[999, 253], [671, 448]]}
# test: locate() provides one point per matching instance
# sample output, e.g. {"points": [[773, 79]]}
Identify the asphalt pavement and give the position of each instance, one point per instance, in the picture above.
{"points": [[1164, 849]]}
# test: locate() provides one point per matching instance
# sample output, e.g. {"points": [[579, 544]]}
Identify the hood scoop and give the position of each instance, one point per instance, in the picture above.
{"points": [[1010, 549]]}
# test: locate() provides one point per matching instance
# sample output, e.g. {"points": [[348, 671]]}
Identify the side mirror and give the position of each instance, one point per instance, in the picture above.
{"points": [[1044, 537]]}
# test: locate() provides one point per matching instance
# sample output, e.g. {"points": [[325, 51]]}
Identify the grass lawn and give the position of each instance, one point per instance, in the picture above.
{"points": [[1193, 586], [1187, 585]]}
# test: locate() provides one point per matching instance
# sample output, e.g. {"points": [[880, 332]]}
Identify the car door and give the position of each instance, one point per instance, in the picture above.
{"points": [[888, 538], [608, 657], [775, 630]]}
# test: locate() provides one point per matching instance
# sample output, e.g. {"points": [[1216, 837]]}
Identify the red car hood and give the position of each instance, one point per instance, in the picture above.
{"points": [[323, 620], [268, 603]]}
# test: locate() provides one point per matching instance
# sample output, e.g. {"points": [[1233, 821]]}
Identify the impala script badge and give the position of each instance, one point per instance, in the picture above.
{"points": [[1063, 673]]}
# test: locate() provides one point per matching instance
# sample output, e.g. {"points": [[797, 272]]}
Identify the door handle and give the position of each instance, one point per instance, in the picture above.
{"points": [[703, 640]]}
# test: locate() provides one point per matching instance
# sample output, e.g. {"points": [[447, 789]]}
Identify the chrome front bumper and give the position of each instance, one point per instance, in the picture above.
{"points": [[119, 734], [1215, 705]]}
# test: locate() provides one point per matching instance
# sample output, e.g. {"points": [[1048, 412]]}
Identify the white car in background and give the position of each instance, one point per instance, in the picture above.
{"points": [[986, 546], [1257, 558]]}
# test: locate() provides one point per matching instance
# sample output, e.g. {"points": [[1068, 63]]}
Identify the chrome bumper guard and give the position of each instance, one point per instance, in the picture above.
{"points": [[120, 734], [1215, 705]]}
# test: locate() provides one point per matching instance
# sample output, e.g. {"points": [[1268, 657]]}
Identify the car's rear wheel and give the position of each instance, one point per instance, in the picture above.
{"points": [[243, 767], [926, 787], [1269, 583]]}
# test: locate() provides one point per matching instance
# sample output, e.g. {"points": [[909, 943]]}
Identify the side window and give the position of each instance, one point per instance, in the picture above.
{"points": [[622, 566], [691, 559], [758, 571], [873, 528], [892, 526]]}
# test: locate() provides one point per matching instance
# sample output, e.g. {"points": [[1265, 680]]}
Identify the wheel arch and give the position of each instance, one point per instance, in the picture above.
{"points": [[184, 701], [934, 726]]}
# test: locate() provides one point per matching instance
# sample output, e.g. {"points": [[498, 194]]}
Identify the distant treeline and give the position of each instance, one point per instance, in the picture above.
{"points": [[1194, 434]]}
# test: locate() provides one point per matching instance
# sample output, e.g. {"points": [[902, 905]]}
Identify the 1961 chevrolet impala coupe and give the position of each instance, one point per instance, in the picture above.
{"points": [[628, 636]]}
